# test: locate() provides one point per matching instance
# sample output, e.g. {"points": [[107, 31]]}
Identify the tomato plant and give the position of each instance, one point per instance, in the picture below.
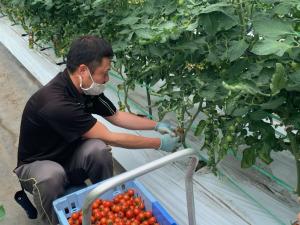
{"points": [[236, 63]]}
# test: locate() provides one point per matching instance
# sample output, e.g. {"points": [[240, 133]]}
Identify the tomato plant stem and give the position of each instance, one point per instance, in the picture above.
{"points": [[149, 101], [294, 149], [191, 123], [126, 89], [241, 16], [298, 177]]}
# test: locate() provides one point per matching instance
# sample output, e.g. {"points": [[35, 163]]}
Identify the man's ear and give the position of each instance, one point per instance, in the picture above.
{"points": [[82, 69]]}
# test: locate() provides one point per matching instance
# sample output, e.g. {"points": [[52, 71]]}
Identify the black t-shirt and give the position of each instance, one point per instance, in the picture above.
{"points": [[55, 118]]}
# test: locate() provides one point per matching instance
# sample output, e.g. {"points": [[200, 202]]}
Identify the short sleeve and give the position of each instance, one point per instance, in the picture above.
{"points": [[103, 106], [68, 119]]}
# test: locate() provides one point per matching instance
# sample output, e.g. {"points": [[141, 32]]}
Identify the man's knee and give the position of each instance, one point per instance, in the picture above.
{"points": [[98, 151], [99, 162], [45, 174], [47, 179], [53, 178]]}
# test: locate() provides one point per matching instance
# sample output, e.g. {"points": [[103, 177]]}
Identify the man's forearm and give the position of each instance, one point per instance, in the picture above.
{"points": [[131, 121], [133, 141]]}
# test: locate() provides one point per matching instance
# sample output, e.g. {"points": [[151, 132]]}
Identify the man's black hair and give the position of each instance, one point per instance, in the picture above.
{"points": [[88, 50]]}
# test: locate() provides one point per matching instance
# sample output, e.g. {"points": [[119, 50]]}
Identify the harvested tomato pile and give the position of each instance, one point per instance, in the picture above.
{"points": [[124, 209]]}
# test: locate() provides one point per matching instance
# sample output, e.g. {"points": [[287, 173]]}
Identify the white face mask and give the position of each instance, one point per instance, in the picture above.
{"points": [[94, 89]]}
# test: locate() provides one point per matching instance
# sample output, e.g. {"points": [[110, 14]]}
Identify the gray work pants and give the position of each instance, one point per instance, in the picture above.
{"points": [[46, 180]]}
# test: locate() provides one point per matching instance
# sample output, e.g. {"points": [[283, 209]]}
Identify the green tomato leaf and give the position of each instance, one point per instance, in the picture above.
{"points": [[294, 81], [294, 119], [258, 115], [98, 3], [145, 33], [264, 153], [249, 156], [295, 77], [269, 46], [230, 105], [293, 87], [171, 8], [129, 20], [216, 21], [240, 111], [279, 79], [272, 27], [192, 26], [218, 7], [273, 104], [283, 8], [200, 128], [169, 25], [237, 49], [245, 86]]}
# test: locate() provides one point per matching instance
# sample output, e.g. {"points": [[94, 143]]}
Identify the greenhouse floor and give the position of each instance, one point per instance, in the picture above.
{"points": [[16, 89]]}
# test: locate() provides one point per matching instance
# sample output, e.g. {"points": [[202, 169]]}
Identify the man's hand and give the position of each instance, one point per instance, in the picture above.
{"points": [[165, 128], [169, 143]]}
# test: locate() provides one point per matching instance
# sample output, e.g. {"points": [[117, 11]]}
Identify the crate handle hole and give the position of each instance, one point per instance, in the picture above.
{"points": [[67, 210], [123, 187], [73, 205]]}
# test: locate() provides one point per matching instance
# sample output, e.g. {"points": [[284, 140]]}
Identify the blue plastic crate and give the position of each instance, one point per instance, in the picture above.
{"points": [[73, 202]]}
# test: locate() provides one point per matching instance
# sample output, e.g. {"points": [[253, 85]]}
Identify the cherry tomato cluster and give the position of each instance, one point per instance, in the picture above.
{"points": [[124, 209]]}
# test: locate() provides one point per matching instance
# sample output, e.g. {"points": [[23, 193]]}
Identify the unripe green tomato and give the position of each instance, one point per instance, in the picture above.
{"points": [[231, 128], [142, 42], [180, 2], [239, 119], [225, 146], [229, 138], [295, 65]]}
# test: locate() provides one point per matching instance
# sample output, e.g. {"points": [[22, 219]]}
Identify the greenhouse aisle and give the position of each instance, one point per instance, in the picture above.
{"points": [[16, 88]]}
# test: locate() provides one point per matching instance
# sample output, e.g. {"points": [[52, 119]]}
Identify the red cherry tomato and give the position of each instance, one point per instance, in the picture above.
{"points": [[110, 222], [141, 217], [120, 214], [148, 214], [136, 211], [130, 192], [134, 223], [142, 206], [75, 216], [70, 221], [95, 205], [126, 197], [103, 221], [152, 220], [137, 201], [107, 204], [129, 214]]}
